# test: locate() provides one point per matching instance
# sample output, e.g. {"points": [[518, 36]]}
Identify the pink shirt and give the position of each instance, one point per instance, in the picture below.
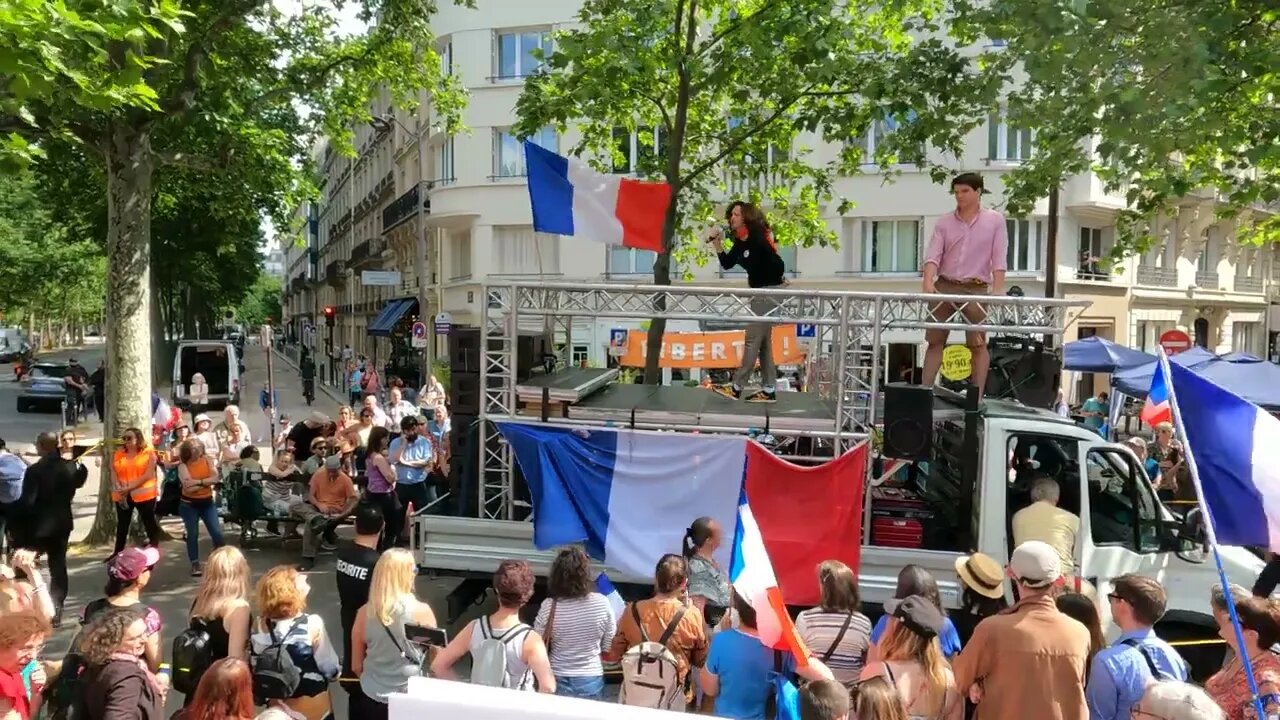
{"points": [[968, 250]]}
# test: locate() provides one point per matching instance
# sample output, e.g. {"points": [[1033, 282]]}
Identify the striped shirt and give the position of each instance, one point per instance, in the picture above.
{"points": [[818, 629], [583, 629]]}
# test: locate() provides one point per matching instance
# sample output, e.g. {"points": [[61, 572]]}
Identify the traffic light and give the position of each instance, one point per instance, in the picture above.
{"points": [[330, 314]]}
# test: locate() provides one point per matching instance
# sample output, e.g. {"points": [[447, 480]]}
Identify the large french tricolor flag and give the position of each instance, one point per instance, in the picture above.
{"points": [[1156, 408], [629, 495], [1236, 446], [569, 198]]}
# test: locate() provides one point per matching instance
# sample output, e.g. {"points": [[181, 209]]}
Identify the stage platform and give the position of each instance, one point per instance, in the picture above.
{"points": [[798, 412], [565, 386]]}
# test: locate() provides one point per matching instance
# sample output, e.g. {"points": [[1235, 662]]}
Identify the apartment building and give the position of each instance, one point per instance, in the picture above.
{"points": [[479, 228]]}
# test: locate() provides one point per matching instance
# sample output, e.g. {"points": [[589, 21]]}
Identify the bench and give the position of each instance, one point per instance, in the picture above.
{"points": [[241, 503]]}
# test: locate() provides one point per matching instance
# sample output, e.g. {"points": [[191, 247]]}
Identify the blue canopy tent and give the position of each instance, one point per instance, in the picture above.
{"points": [[1236, 356], [1256, 381], [1096, 354]]}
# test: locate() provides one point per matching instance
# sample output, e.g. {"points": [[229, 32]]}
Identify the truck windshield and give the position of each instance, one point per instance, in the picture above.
{"points": [[1123, 510]]}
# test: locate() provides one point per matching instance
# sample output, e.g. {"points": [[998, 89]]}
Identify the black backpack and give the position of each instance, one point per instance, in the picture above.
{"points": [[192, 656], [275, 675]]}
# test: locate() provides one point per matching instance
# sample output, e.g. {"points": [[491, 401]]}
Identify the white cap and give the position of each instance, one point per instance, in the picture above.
{"points": [[1035, 564]]}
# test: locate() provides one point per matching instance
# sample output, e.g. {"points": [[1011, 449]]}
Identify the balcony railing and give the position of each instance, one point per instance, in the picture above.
{"points": [[1093, 271], [333, 274], [1248, 284], [404, 207], [1207, 279], [365, 252], [1157, 276]]}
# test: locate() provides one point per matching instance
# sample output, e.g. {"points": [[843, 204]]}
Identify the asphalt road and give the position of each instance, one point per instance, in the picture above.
{"points": [[20, 429]]}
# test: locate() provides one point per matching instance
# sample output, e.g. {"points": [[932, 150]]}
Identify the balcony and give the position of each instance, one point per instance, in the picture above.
{"points": [[1093, 272], [333, 274], [1208, 280], [403, 208], [365, 253], [1249, 285], [1157, 276]]}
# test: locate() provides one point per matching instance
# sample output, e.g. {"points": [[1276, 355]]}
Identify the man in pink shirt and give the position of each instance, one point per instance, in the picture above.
{"points": [[966, 256]]}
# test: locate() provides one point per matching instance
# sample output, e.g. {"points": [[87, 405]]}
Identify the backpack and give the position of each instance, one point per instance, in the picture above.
{"points": [[489, 660], [12, 470], [650, 671], [275, 675], [192, 656]]}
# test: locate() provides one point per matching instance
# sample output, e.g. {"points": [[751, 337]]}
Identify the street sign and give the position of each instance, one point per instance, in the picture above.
{"points": [[806, 330], [618, 342], [1175, 341], [266, 336], [388, 278], [444, 323], [418, 335]]}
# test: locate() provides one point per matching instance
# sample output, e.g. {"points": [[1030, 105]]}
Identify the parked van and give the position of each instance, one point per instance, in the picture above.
{"points": [[219, 363]]}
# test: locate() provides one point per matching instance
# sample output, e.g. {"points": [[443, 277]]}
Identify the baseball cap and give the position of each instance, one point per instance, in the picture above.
{"points": [[333, 462], [1035, 564], [129, 564], [919, 615]]}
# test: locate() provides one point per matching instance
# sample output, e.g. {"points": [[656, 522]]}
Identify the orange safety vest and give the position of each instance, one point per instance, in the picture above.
{"points": [[130, 470], [200, 469]]}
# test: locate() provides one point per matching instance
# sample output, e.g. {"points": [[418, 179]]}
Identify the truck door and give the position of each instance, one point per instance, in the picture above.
{"points": [[1121, 525]]}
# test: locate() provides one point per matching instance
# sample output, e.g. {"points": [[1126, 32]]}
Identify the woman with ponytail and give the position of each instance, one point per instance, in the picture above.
{"points": [[708, 582]]}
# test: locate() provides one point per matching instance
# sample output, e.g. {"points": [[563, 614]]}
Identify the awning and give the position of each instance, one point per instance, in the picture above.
{"points": [[390, 315]]}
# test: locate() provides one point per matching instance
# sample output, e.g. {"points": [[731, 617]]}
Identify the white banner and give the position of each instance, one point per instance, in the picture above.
{"points": [[428, 698], [380, 277]]}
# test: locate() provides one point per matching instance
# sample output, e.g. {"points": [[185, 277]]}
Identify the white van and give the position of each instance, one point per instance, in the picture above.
{"points": [[220, 364]]}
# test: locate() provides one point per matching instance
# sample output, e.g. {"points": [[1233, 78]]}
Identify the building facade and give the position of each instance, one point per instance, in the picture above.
{"points": [[479, 229]]}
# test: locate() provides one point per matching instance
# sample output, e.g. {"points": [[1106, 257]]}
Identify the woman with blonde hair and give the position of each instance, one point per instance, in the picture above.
{"points": [[382, 655], [876, 699], [910, 658], [836, 630], [221, 612], [283, 620]]}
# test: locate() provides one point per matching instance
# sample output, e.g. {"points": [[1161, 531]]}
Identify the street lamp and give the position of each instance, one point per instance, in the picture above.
{"points": [[383, 125]]}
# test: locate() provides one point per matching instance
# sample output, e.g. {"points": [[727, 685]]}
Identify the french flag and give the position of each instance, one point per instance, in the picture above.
{"points": [[1236, 447], [1156, 409], [569, 198], [629, 496], [610, 593]]}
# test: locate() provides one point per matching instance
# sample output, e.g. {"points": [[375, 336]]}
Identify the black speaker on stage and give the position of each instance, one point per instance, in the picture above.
{"points": [[1023, 370], [908, 421]]}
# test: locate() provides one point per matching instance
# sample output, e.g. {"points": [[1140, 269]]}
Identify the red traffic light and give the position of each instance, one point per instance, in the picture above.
{"points": [[330, 311]]}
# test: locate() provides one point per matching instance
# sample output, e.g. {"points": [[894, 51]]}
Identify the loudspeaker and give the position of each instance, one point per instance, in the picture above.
{"points": [[464, 351], [908, 421], [1023, 371], [464, 393]]}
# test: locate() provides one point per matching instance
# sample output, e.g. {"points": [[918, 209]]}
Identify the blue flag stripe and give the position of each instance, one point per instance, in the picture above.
{"points": [[550, 192]]}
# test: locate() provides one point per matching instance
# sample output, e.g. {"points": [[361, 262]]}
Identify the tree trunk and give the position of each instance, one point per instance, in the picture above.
{"points": [[661, 276], [129, 165], [159, 348]]}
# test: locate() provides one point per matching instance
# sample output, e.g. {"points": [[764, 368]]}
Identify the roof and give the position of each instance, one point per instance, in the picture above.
{"points": [[1008, 409]]}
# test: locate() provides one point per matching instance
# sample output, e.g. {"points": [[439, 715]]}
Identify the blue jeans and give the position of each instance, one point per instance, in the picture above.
{"points": [[590, 687], [193, 513]]}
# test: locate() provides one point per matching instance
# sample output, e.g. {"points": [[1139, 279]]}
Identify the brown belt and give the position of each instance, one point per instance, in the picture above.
{"points": [[974, 282]]}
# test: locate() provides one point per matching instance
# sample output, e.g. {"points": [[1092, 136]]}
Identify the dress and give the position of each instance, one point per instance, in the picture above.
{"points": [[1230, 688]]}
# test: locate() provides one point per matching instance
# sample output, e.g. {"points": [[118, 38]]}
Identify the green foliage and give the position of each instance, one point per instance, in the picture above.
{"points": [[261, 303], [1161, 100], [731, 84]]}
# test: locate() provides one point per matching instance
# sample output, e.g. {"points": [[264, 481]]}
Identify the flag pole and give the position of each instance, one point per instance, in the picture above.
{"points": [[1210, 534]]}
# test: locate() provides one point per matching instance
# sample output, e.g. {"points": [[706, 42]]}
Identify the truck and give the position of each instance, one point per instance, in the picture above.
{"points": [[959, 499]]}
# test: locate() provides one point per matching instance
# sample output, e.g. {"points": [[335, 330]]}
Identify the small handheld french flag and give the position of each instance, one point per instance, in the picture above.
{"points": [[1156, 409], [569, 198]]}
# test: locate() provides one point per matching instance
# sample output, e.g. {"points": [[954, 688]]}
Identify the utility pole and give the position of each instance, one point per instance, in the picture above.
{"points": [[420, 262]]}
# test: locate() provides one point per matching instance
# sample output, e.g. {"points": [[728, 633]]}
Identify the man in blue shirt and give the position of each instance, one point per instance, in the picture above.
{"points": [[413, 457], [1120, 674]]}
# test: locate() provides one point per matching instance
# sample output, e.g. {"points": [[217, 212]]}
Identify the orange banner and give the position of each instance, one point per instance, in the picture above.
{"points": [[710, 349]]}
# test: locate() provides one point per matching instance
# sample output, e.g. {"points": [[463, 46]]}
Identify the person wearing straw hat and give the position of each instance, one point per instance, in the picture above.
{"points": [[982, 595]]}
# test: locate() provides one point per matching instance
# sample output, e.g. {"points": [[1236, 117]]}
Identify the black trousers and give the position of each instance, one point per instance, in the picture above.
{"points": [[366, 708], [1268, 579], [100, 403], [55, 552], [146, 513], [392, 516]]}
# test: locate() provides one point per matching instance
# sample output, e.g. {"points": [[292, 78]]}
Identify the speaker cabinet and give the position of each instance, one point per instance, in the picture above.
{"points": [[908, 421], [464, 351]]}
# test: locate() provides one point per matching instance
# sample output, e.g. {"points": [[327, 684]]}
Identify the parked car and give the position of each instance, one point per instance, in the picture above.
{"points": [[43, 386]]}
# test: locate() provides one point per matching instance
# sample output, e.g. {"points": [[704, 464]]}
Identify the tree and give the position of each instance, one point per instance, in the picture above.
{"points": [[261, 302], [1159, 99], [729, 85], [235, 91]]}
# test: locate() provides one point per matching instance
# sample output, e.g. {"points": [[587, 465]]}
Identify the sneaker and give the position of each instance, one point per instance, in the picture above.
{"points": [[307, 565], [728, 391], [762, 396], [326, 546], [195, 570]]}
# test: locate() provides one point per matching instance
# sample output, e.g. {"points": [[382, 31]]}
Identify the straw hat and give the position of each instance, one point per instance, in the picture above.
{"points": [[981, 574]]}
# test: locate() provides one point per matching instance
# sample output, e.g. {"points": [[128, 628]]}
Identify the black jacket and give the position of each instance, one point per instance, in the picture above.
{"points": [[48, 489], [757, 256], [120, 690]]}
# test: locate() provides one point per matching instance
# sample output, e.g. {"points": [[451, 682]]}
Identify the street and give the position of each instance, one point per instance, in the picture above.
{"points": [[19, 430], [171, 586]]}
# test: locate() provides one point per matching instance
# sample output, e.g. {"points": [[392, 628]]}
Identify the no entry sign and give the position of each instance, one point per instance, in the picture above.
{"points": [[1175, 341]]}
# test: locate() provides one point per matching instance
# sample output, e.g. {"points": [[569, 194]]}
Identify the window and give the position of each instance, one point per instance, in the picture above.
{"points": [[460, 258], [1246, 337], [638, 149], [444, 162], [508, 150], [891, 246], [446, 58], [788, 253], [518, 250], [630, 261], [1025, 239], [1090, 266], [516, 53], [880, 130], [1007, 143], [1209, 252], [1149, 332], [1122, 505], [580, 355]]}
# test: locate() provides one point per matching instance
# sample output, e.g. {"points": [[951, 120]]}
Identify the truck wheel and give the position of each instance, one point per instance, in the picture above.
{"points": [[1200, 646]]}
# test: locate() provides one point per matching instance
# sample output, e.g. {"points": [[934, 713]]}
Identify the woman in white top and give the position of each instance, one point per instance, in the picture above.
{"points": [[382, 655], [204, 433], [577, 625], [432, 394], [910, 658], [235, 442], [526, 655], [198, 392]]}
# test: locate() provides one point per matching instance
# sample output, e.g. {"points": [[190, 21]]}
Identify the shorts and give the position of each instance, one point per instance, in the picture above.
{"points": [[972, 312]]}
